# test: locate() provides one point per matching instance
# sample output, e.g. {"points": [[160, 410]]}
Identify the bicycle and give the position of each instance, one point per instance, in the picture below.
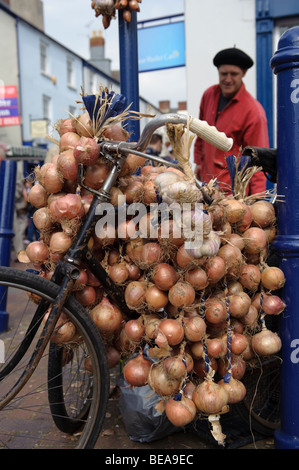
{"points": [[66, 391]]}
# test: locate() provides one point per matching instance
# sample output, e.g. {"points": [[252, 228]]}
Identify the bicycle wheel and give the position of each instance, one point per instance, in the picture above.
{"points": [[26, 421]]}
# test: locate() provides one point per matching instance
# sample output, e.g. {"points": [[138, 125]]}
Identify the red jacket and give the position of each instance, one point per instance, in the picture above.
{"points": [[244, 120]]}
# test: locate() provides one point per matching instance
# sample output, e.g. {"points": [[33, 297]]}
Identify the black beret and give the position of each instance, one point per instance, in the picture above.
{"points": [[233, 56]]}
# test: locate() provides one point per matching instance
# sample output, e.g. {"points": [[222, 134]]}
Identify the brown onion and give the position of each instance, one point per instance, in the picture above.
{"points": [[95, 175], [173, 330], [164, 276], [135, 329], [215, 310], [159, 381], [151, 253], [37, 252], [197, 278], [238, 366], [216, 347], [106, 316], [67, 165], [263, 213], [250, 277], [86, 296], [86, 151], [180, 412], [83, 125], [68, 206], [156, 298], [273, 278], [135, 294], [235, 210], [239, 304], [37, 196], [236, 390], [118, 272], [181, 294], [60, 242], [238, 343], [266, 343], [52, 180], [210, 397], [194, 328], [113, 356], [233, 259], [216, 269], [66, 126], [68, 141], [136, 370], [42, 219], [199, 366], [175, 366], [255, 240]]}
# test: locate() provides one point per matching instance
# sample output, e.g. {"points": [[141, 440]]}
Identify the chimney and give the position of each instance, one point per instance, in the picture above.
{"points": [[97, 53], [182, 106], [164, 106]]}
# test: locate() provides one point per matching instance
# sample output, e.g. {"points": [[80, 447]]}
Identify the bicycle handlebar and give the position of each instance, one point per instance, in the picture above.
{"points": [[201, 128]]}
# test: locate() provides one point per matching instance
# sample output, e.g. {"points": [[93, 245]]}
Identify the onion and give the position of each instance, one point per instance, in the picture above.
{"points": [[131, 164], [189, 389], [255, 240], [236, 390], [86, 151], [196, 350], [134, 272], [42, 219], [197, 278], [235, 210], [239, 304], [233, 259], [234, 287], [180, 412], [194, 328], [68, 206], [118, 272], [173, 330], [238, 366], [250, 277], [37, 252], [52, 180], [170, 233], [183, 258], [164, 276], [271, 304], [271, 233], [200, 366], [136, 370], [83, 125], [105, 235], [151, 253], [246, 220], [159, 381], [37, 196], [106, 316], [67, 165], [263, 213], [235, 240], [250, 319], [210, 397], [95, 175], [116, 132], [66, 126], [135, 294], [135, 329], [175, 366], [113, 356], [215, 310], [181, 294], [273, 278], [86, 296], [152, 323], [216, 347], [266, 343], [133, 192], [68, 141], [60, 242], [215, 268], [149, 195], [64, 330], [156, 298], [239, 343]]}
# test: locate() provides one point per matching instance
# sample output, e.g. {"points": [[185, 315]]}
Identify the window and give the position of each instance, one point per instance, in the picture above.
{"points": [[47, 107], [44, 59], [70, 72]]}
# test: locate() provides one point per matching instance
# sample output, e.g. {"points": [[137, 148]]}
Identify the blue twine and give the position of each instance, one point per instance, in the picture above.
{"points": [[115, 104], [227, 375]]}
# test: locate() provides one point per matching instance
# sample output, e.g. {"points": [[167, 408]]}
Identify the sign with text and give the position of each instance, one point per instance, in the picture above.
{"points": [[9, 109], [161, 47]]}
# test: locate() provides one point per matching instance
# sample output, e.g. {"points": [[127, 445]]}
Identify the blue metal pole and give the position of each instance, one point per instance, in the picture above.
{"points": [[285, 64], [8, 172], [128, 55]]}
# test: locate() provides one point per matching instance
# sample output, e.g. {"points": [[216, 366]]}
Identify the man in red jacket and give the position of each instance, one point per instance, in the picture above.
{"points": [[231, 109]]}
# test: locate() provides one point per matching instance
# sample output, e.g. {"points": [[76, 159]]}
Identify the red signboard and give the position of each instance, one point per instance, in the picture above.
{"points": [[9, 110]]}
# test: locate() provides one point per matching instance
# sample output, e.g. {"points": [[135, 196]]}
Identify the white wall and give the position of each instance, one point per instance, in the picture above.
{"points": [[209, 27]]}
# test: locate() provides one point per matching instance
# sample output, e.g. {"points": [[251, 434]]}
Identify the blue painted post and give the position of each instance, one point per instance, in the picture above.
{"points": [[128, 55], [285, 64], [8, 172]]}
